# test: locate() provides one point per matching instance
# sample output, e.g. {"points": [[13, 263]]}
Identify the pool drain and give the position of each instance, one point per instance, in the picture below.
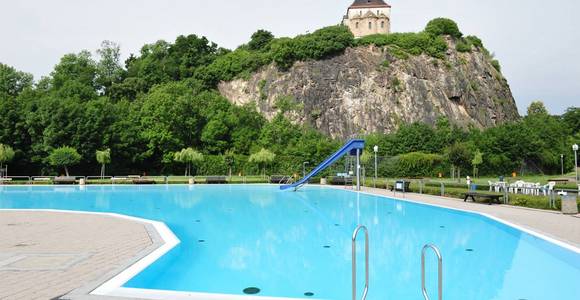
{"points": [[251, 290], [197, 221], [201, 241], [441, 226], [336, 225], [309, 294], [326, 246], [469, 250]]}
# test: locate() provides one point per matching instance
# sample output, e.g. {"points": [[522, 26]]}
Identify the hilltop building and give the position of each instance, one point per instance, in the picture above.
{"points": [[366, 17]]}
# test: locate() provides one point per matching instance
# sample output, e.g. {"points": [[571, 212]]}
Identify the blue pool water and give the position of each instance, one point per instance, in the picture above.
{"points": [[292, 243]]}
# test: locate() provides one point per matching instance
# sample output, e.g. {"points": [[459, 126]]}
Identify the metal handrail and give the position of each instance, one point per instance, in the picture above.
{"points": [[439, 268], [354, 235]]}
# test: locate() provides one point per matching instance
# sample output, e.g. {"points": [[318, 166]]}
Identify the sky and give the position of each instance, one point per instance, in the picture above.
{"points": [[537, 42]]}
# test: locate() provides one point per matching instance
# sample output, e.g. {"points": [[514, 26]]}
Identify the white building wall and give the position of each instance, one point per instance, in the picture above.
{"points": [[359, 25]]}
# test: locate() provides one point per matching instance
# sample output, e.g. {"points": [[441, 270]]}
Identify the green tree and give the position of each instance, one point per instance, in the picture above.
{"points": [[443, 26], [476, 161], [571, 119], [103, 158], [13, 82], [260, 39], [6, 156], [262, 158], [189, 157], [537, 108], [459, 156], [109, 69], [64, 157]]}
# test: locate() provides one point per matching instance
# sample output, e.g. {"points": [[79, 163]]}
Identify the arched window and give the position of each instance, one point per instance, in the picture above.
{"points": [[370, 25], [356, 25], [383, 24]]}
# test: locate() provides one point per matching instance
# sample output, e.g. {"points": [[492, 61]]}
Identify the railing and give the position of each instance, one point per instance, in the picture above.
{"points": [[439, 269], [354, 236]]}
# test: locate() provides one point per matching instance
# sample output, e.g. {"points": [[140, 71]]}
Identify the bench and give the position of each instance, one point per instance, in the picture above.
{"points": [[41, 179], [216, 180], [64, 180], [340, 180], [143, 181], [490, 197]]}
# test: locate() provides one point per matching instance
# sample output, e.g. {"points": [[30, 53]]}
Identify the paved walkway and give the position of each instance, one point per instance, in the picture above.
{"points": [[553, 224], [44, 255]]}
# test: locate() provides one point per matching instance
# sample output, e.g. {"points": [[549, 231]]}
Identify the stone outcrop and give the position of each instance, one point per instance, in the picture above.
{"points": [[367, 89]]}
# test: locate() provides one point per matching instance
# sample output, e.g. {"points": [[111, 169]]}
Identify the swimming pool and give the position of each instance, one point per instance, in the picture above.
{"points": [[298, 244]]}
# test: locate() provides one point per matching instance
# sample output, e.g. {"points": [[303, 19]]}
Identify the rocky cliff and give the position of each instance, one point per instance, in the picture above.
{"points": [[368, 89]]}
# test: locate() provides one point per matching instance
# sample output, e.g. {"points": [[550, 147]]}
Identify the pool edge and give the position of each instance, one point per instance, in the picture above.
{"points": [[545, 237]]}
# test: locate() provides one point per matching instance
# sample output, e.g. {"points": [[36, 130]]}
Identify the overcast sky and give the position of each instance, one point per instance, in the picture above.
{"points": [[537, 42]]}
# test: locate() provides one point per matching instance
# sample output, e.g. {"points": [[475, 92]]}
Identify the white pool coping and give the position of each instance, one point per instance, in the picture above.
{"points": [[114, 286]]}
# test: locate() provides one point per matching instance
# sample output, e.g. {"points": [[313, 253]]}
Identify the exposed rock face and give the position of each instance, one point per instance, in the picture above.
{"points": [[366, 90]]}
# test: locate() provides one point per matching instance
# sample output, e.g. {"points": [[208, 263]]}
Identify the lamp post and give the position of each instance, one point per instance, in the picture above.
{"points": [[575, 148], [562, 163], [304, 168], [376, 148]]}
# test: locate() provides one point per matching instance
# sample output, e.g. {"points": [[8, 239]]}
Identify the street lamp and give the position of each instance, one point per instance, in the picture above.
{"points": [[376, 148], [304, 168], [562, 163], [575, 148]]}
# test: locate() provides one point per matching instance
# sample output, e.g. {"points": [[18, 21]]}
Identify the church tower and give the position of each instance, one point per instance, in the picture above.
{"points": [[366, 17]]}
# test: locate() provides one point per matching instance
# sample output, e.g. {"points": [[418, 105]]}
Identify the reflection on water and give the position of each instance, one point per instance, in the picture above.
{"points": [[289, 243]]}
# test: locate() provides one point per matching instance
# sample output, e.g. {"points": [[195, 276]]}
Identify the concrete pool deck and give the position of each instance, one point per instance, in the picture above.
{"points": [[45, 255], [553, 224]]}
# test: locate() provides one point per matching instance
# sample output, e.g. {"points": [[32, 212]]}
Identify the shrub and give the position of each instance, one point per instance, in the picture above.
{"points": [[260, 39], [386, 64], [403, 44], [496, 65], [320, 44], [475, 41], [418, 164], [443, 26], [463, 46]]}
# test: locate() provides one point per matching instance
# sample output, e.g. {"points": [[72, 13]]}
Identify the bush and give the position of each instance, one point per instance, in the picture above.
{"points": [[408, 43], [443, 26], [475, 41], [321, 44], [496, 65], [463, 46]]}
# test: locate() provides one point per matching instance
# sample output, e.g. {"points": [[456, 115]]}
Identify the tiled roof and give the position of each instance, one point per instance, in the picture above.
{"points": [[369, 4]]}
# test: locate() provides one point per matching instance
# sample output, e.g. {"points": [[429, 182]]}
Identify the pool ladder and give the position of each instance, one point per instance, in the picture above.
{"points": [[432, 247], [354, 235], [439, 271]]}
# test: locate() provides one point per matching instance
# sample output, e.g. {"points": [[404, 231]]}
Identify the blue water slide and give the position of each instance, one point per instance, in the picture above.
{"points": [[349, 148]]}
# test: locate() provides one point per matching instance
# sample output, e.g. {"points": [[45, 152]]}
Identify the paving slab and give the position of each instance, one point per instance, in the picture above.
{"points": [[44, 255]]}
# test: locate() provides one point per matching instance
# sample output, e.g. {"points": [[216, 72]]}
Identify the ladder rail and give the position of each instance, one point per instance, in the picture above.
{"points": [[354, 236], [439, 270]]}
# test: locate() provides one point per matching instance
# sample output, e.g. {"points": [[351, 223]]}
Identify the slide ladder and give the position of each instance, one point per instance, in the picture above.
{"points": [[352, 147]]}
